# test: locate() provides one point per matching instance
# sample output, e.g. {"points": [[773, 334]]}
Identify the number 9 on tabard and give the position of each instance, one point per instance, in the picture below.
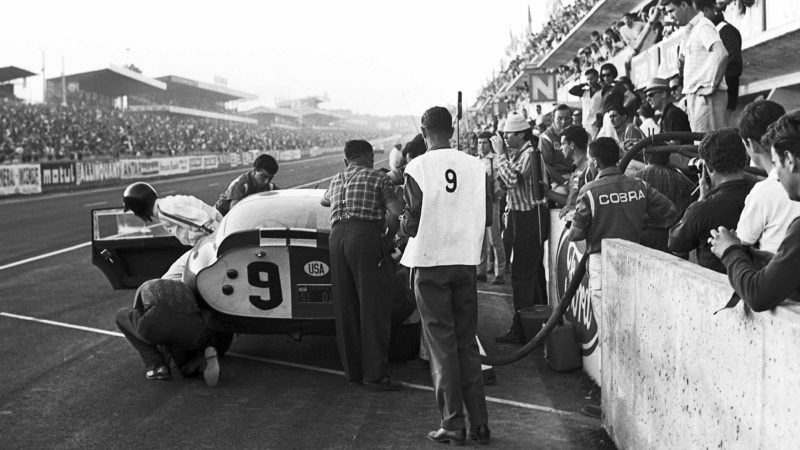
{"points": [[451, 179]]}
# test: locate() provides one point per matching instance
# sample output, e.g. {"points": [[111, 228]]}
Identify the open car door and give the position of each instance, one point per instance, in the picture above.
{"points": [[130, 251]]}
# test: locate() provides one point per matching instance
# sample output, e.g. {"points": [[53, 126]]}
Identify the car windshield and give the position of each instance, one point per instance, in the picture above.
{"points": [[116, 224]]}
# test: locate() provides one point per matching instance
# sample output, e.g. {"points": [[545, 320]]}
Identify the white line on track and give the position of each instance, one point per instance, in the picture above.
{"points": [[314, 182], [46, 255], [288, 364], [213, 184], [91, 205], [500, 294], [62, 324]]}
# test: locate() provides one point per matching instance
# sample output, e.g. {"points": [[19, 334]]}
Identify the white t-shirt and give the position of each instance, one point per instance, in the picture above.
{"points": [[183, 216], [767, 214], [649, 127], [453, 217]]}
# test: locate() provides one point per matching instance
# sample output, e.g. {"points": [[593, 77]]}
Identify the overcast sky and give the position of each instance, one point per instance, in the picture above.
{"points": [[366, 55]]}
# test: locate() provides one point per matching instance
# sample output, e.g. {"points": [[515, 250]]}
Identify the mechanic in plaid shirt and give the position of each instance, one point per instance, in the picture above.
{"points": [[361, 268]]}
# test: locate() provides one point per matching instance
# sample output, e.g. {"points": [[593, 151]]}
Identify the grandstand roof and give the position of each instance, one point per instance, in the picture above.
{"points": [[192, 112], [276, 111], [600, 17], [201, 89], [309, 101], [114, 82], [303, 111], [9, 73]]}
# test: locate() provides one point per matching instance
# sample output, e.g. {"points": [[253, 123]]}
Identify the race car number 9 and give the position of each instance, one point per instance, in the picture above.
{"points": [[263, 274]]}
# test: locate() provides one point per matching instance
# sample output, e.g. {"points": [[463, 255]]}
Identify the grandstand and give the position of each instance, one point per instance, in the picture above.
{"points": [[8, 75], [167, 95], [303, 111], [770, 31], [193, 98], [100, 87]]}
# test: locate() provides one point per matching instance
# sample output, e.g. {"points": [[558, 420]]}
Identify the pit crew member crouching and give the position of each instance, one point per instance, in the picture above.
{"points": [[165, 312]]}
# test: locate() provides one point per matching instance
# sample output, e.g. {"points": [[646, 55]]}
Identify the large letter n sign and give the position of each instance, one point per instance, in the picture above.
{"points": [[542, 86]]}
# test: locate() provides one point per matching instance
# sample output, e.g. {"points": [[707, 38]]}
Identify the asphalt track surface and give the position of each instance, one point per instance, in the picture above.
{"points": [[69, 380]]}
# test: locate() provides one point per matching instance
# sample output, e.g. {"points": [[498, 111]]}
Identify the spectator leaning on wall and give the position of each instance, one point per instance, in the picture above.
{"points": [[763, 288], [723, 188], [767, 209]]}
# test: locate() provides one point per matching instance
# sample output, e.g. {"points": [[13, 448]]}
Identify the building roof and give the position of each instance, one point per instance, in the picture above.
{"points": [[9, 73], [600, 17], [194, 88], [274, 111], [303, 111], [114, 81], [192, 112]]}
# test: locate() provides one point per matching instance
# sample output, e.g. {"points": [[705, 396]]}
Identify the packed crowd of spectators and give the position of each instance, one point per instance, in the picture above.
{"points": [[740, 179], [539, 44], [41, 132]]}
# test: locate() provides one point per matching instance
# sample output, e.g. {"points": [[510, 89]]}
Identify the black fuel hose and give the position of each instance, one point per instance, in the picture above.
{"points": [[551, 323], [659, 139]]}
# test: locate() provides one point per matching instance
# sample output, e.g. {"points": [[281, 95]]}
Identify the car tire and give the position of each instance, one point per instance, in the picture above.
{"points": [[404, 342]]}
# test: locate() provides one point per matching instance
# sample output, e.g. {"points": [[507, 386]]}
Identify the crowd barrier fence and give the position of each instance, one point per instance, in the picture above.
{"points": [[57, 176]]}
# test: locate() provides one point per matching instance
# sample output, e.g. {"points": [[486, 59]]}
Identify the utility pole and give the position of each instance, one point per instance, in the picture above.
{"points": [[44, 81], [63, 84]]}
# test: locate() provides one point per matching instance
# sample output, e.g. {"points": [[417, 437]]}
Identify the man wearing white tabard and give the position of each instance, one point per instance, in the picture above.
{"points": [[446, 215]]}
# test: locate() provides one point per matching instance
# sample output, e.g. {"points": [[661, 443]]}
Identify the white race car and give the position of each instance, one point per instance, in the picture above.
{"points": [[266, 270]]}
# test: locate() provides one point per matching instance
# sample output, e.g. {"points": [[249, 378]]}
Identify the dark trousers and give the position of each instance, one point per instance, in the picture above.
{"points": [[448, 306], [361, 274], [528, 282], [165, 315]]}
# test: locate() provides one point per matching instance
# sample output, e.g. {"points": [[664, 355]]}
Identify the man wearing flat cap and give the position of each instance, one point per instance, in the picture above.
{"points": [[528, 218], [658, 95]]}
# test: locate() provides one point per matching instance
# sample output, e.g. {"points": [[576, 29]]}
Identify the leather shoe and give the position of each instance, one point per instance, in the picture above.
{"points": [[160, 373], [498, 280], [482, 434], [511, 337], [452, 437], [384, 384], [481, 277]]}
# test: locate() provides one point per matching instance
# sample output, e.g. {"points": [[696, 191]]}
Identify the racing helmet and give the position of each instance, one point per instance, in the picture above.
{"points": [[139, 198]]}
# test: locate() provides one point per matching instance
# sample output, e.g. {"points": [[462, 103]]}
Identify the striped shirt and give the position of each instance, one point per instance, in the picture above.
{"points": [[515, 171], [359, 193]]}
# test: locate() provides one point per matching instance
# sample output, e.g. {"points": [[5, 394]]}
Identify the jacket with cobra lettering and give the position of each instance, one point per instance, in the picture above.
{"points": [[614, 206]]}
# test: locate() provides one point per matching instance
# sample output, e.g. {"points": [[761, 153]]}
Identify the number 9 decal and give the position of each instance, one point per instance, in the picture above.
{"points": [[272, 282], [452, 180]]}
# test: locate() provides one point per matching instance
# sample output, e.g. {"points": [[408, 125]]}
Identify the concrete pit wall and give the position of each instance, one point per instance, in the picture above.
{"points": [[676, 376]]}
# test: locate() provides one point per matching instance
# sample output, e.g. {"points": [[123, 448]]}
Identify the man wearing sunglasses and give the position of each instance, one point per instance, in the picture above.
{"points": [[257, 180], [672, 117]]}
